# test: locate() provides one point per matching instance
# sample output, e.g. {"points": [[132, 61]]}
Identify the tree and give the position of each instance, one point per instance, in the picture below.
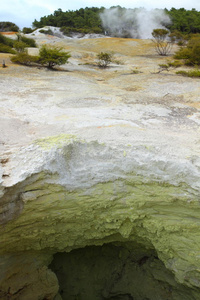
{"points": [[185, 21], [163, 45], [104, 59], [82, 19], [52, 56]]}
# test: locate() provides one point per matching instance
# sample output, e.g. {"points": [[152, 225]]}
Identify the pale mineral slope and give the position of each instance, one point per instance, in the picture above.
{"points": [[91, 156]]}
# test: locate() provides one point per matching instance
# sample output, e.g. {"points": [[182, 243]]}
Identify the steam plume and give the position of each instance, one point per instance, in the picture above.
{"points": [[135, 23]]}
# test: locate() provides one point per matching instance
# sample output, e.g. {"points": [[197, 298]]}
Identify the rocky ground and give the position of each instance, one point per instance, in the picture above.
{"points": [[125, 138], [80, 98]]}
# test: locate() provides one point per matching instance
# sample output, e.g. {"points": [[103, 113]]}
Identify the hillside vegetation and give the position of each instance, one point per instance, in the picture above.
{"points": [[88, 20], [84, 19]]}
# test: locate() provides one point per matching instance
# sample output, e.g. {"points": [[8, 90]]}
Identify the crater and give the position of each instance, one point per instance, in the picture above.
{"points": [[115, 271]]}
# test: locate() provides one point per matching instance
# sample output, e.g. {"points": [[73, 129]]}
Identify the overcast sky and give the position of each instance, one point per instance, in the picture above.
{"points": [[23, 12]]}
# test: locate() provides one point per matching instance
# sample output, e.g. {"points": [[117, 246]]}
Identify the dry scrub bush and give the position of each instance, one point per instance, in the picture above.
{"points": [[162, 42], [104, 59]]}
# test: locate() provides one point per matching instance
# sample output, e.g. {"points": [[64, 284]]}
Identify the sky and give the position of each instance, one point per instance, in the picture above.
{"points": [[24, 12]]}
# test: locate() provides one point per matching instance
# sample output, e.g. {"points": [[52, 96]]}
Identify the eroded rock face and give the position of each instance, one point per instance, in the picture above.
{"points": [[26, 276]]}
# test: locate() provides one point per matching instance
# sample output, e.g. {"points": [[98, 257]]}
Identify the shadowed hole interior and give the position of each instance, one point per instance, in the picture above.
{"points": [[115, 271]]}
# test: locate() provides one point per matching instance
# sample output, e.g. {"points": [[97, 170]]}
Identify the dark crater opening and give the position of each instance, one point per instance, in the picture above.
{"points": [[115, 271]]}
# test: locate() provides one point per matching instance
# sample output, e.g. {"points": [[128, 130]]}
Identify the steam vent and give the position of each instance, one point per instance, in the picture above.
{"points": [[100, 177]]}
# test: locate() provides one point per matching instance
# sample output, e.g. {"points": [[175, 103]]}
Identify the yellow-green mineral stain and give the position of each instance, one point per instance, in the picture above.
{"points": [[55, 141], [158, 216], [56, 218]]}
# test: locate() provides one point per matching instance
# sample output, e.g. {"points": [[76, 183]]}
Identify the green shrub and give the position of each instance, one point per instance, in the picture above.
{"points": [[191, 53], [183, 53], [27, 30], [2, 39], [193, 73], [48, 31], [23, 58], [175, 64], [52, 56], [9, 42], [48, 56], [104, 59], [6, 49], [166, 67], [20, 46], [181, 43], [6, 41], [30, 42], [6, 45]]}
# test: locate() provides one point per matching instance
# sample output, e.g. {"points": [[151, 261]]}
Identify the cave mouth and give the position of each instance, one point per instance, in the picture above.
{"points": [[115, 271]]}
